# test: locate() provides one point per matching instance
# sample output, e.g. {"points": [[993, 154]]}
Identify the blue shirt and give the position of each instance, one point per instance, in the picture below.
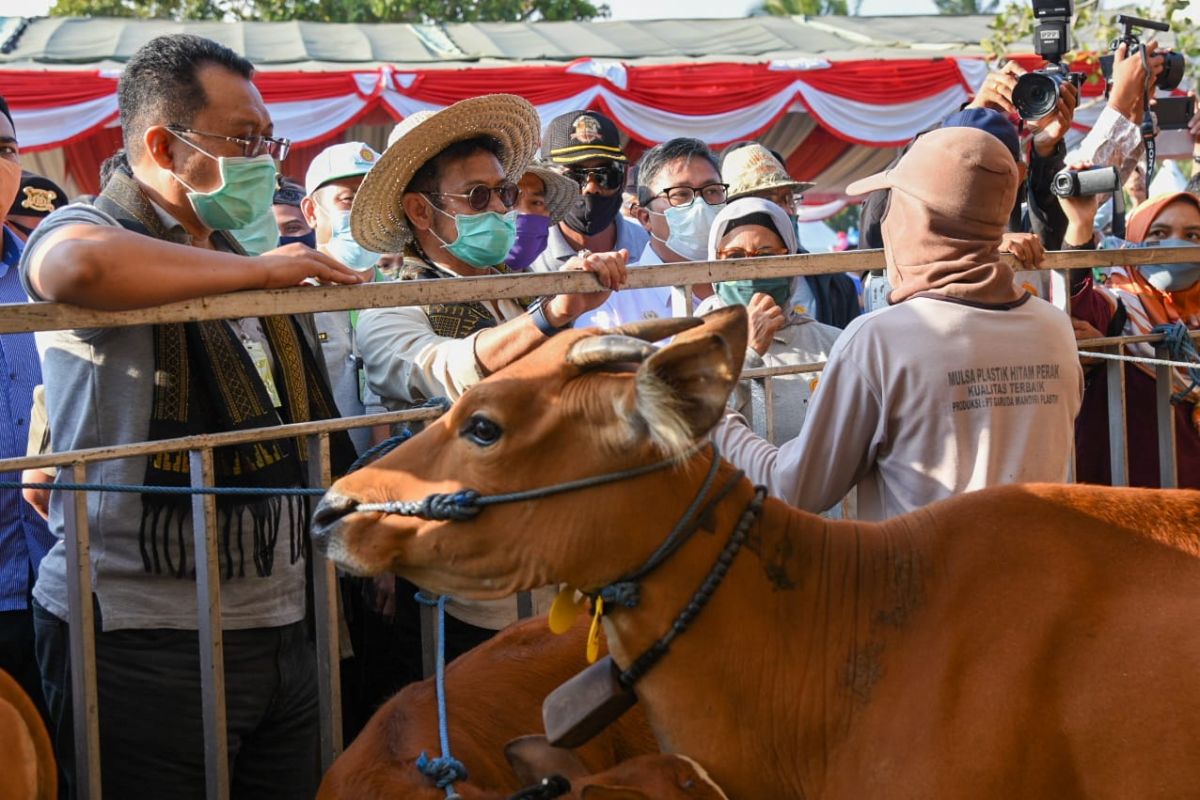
{"points": [[24, 537]]}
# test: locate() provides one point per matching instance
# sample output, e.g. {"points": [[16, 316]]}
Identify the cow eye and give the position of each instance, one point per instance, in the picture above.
{"points": [[481, 430]]}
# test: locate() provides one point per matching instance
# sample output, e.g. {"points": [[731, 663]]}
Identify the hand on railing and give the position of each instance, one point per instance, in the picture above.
{"points": [[1083, 331], [294, 264], [1027, 247], [609, 269]]}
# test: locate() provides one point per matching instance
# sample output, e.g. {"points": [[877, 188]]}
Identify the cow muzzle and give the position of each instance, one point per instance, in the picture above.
{"points": [[327, 520]]}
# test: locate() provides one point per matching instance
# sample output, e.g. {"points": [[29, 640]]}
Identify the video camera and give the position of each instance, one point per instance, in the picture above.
{"points": [[1036, 93], [1173, 63], [1099, 180]]}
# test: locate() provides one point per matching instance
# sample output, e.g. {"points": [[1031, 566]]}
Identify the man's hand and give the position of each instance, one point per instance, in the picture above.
{"points": [[609, 269], [1052, 128], [38, 498], [766, 319], [997, 89], [293, 264], [1129, 80], [1027, 247]]}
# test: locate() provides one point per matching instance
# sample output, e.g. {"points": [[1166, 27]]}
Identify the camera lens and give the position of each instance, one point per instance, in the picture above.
{"points": [[1172, 74], [1036, 94], [1065, 184]]}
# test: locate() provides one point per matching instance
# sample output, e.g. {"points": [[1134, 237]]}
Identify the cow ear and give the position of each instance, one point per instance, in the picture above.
{"points": [[682, 389], [533, 758], [595, 792]]}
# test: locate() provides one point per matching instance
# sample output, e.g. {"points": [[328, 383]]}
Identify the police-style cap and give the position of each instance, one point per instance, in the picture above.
{"points": [[580, 135]]}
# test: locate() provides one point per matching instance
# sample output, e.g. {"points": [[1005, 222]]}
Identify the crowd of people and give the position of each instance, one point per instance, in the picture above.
{"points": [[950, 372]]}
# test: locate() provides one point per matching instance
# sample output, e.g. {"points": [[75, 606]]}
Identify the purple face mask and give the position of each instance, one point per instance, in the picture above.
{"points": [[532, 232]]}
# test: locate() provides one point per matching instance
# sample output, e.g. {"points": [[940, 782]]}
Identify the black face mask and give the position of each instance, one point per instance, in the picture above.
{"points": [[592, 213], [309, 240]]}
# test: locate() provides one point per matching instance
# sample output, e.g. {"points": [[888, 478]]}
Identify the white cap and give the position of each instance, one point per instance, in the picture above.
{"points": [[348, 160]]}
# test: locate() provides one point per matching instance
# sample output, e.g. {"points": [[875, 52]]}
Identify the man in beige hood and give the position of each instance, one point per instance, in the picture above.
{"points": [[962, 382]]}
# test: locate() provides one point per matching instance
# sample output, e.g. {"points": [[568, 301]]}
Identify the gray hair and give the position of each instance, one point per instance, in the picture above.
{"points": [[659, 157]]}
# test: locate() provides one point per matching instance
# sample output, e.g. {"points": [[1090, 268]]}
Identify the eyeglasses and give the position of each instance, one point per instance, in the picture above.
{"points": [[682, 196], [480, 197], [607, 178], [276, 148], [723, 255]]}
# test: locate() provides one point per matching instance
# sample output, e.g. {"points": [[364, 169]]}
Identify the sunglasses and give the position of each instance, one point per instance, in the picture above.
{"points": [[480, 197], [607, 178]]}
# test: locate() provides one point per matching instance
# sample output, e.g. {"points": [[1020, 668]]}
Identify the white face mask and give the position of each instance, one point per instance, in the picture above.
{"points": [[688, 228]]}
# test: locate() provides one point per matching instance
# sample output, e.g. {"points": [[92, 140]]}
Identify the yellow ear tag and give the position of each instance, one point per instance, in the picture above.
{"points": [[564, 611], [593, 640]]}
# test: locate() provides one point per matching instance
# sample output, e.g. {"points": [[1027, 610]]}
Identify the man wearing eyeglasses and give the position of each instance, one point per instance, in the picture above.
{"points": [[586, 146], [186, 216]]}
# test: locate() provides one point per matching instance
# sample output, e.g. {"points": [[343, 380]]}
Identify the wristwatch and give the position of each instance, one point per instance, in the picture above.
{"points": [[538, 313]]}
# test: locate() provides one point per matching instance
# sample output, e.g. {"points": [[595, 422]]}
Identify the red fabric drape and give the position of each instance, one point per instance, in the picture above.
{"points": [[28, 88], [84, 157], [815, 154]]}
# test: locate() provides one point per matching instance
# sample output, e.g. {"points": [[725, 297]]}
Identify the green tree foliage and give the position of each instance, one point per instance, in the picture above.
{"points": [[812, 8], [967, 6], [336, 10]]}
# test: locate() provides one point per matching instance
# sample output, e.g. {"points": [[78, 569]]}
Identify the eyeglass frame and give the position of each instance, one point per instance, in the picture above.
{"points": [[722, 254], [696, 192], [248, 144], [516, 191]]}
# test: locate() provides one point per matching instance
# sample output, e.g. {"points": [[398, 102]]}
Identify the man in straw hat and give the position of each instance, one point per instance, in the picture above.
{"points": [[201, 166], [444, 193], [963, 382], [752, 170]]}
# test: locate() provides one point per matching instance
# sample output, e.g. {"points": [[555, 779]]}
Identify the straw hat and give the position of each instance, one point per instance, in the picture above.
{"points": [[752, 169], [377, 218], [561, 191]]}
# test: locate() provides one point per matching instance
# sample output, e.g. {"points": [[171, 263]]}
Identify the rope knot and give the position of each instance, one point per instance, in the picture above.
{"points": [[1179, 345], [457, 506], [442, 771], [624, 593]]}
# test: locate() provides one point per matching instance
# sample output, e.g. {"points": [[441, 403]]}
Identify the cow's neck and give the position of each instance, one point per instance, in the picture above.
{"points": [[790, 646]]}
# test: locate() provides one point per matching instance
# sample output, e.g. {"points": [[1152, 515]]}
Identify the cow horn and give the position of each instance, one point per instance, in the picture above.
{"points": [[597, 351], [655, 330]]}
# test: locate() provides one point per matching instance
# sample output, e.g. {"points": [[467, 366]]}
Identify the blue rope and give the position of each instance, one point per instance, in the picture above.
{"points": [[447, 769], [380, 450], [1179, 344]]}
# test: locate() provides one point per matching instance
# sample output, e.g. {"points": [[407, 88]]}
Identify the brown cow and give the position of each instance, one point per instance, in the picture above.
{"points": [[494, 694], [27, 767], [1024, 641]]}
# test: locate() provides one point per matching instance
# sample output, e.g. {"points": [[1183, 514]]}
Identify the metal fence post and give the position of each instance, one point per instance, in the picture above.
{"points": [[1164, 413], [1117, 457], [208, 629], [327, 622], [81, 630]]}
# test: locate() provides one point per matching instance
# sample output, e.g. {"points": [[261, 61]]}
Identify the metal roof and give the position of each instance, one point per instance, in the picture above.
{"points": [[49, 41]]}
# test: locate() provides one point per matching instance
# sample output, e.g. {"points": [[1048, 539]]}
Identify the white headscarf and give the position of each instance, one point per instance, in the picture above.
{"points": [[745, 207]]}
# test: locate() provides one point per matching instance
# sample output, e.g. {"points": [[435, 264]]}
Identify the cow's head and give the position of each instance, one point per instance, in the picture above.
{"points": [[585, 403]]}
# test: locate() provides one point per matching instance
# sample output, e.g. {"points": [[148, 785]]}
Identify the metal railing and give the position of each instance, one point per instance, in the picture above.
{"points": [[48, 316]]}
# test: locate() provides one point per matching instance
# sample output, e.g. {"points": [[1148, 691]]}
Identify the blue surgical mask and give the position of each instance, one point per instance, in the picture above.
{"points": [[341, 244], [246, 193], [259, 236], [483, 240], [1174, 277], [689, 227]]}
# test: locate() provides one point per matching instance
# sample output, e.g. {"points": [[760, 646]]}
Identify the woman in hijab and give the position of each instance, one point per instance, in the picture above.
{"points": [[1134, 301], [779, 336]]}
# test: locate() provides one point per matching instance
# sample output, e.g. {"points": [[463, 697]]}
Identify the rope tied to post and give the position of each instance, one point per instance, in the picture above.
{"points": [[445, 769], [1179, 344]]}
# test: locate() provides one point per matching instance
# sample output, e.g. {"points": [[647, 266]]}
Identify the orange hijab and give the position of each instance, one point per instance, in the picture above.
{"points": [[1160, 307]]}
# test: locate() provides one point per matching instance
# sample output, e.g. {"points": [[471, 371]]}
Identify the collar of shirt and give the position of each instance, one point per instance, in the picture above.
{"points": [[12, 249], [174, 227]]}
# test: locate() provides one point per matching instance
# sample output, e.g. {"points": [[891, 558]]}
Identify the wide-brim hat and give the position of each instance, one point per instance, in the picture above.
{"points": [[377, 218], [561, 191], [753, 169]]}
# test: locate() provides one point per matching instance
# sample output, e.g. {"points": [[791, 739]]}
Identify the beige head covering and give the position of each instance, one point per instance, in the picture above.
{"points": [[752, 169], [951, 195], [377, 218]]}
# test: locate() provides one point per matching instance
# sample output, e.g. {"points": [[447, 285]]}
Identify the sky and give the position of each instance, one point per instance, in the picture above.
{"points": [[621, 9]]}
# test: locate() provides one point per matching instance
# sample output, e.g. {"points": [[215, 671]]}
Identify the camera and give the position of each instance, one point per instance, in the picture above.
{"points": [[1072, 183], [1173, 63], [1036, 93]]}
